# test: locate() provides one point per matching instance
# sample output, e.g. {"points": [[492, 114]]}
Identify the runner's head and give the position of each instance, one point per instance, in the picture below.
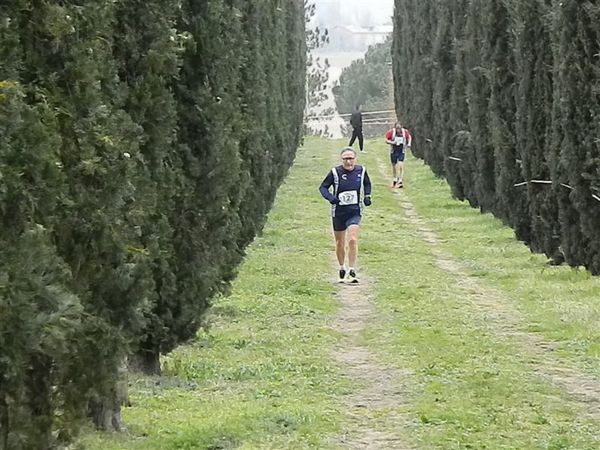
{"points": [[398, 126], [348, 158]]}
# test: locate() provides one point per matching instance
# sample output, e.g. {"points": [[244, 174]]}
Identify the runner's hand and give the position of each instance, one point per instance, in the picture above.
{"points": [[367, 200], [334, 200]]}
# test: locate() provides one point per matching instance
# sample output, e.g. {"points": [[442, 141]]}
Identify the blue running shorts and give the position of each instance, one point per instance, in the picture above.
{"points": [[343, 222], [397, 156]]}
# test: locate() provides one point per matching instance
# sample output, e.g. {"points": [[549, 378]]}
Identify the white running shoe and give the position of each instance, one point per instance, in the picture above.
{"points": [[352, 277]]}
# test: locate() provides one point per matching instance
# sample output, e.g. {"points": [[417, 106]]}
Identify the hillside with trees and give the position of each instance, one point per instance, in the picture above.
{"points": [[366, 81], [141, 146], [504, 100]]}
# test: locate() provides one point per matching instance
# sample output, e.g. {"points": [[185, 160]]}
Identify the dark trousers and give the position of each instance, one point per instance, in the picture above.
{"points": [[357, 133]]}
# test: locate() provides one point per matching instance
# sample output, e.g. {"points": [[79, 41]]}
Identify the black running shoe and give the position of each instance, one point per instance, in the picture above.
{"points": [[400, 184], [352, 277], [342, 275]]}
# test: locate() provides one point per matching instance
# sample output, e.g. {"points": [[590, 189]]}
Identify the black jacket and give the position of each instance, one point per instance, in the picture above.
{"points": [[356, 120]]}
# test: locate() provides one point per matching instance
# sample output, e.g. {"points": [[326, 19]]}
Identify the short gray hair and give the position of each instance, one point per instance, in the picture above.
{"points": [[348, 149]]}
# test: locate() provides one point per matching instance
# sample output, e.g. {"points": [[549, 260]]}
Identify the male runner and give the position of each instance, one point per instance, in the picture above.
{"points": [[351, 188], [399, 139]]}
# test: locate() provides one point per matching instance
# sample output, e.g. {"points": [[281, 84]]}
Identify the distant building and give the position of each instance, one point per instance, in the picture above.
{"points": [[355, 38]]}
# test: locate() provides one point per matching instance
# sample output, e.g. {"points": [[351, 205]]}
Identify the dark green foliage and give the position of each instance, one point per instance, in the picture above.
{"points": [[141, 146], [576, 146], [503, 96], [533, 63], [458, 168], [442, 82], [42, 322], [479, 72], [416, 67], [511, 203], [403, 53]]}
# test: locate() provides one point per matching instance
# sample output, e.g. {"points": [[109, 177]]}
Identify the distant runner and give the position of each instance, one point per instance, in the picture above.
{"points": [[357, 132], [349, 181], [399, 139]]}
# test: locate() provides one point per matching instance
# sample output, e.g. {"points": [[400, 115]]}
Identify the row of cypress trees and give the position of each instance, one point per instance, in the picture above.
{"points": [[504, 99], [141, 146]]}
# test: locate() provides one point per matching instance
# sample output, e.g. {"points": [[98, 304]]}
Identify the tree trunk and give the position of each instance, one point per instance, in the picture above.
{"points": [[39, 379], [146, 361], [4, 424], [105, 412]]}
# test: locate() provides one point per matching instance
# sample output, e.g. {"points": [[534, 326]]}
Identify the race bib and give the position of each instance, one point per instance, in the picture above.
{"points": [[348, 198], [399, 140]]}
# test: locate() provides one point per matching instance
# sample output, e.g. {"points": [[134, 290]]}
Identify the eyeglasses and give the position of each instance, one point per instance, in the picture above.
{"points": [[348, 159]]}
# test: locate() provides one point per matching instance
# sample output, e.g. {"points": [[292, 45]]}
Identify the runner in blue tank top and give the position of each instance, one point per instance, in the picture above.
{"points": [[351, 189]]}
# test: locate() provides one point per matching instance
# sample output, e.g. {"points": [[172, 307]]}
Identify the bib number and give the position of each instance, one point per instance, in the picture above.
{"points": [[348, 198]]}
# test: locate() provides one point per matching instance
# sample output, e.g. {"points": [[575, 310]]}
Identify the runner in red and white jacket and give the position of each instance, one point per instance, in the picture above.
{"points": [[399, 139]]}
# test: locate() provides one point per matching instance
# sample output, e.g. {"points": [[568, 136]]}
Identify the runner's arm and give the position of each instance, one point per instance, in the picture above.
{"points": [[324, 188], [367, 184], [388, 137]]}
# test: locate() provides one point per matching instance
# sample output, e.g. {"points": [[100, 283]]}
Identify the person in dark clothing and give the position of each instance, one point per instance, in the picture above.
{"points": [[357, 132], [351, 189]]}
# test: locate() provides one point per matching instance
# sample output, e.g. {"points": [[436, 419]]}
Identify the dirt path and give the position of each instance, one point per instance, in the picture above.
{"points": [[504, 319], [379, 393]]}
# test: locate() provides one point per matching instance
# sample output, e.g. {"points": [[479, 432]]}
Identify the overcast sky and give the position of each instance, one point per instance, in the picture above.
{"points": [[353, 12]]}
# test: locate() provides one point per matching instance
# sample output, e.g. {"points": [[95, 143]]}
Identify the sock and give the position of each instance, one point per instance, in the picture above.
{"points": [[342, 267]]}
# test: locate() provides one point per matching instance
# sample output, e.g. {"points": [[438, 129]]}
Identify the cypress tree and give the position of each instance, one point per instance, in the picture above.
{"points": [[235, 116], [201, 216], [42, 320], [478, 93], [421, 120], [459, 171], [533, 65], [296, 68], [575, 124], [68, 58], [512, 204], [443, 63], [406, 70], [253, 126], [149, 56]]}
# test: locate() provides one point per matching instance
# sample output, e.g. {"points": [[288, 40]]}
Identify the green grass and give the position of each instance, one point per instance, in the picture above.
{"points": [[474, 386], [261, 376], [559, 302]]}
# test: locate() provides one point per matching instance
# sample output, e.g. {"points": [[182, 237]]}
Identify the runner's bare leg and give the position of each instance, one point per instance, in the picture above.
{"points": [[352, 245], [340, 246]]}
